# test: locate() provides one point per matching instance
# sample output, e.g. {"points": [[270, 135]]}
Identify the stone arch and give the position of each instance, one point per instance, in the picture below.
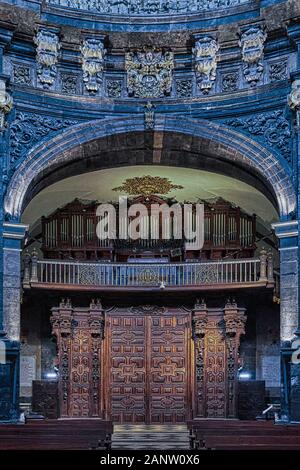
{"points": [[199, 136]]}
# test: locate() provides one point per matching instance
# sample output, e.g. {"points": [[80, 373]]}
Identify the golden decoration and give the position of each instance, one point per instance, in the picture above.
{"points": [[147, 185]]}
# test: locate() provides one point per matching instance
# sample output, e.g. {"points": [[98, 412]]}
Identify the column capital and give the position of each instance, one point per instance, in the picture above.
{"points": [[13, 234], [14, 230], [287, 232]]}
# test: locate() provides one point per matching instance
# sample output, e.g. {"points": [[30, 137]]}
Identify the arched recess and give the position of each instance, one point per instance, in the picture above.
{"points": [[200, 139]]}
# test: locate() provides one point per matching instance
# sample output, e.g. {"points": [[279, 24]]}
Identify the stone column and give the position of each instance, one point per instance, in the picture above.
{"points": [[287, 233], [13, 234]]}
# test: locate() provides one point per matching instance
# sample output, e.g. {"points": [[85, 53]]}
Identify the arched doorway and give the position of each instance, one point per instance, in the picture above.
{"points": [[189, 144]]}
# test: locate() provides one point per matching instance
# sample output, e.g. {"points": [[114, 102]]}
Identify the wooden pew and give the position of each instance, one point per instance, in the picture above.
{"points": [[252, 442], [202, 430], [61, 434]]}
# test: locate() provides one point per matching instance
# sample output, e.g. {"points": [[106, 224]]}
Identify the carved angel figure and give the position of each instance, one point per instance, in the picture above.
{"points": [[294, 96]]}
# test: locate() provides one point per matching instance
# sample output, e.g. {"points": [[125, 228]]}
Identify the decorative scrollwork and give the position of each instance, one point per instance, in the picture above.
{"points": [[89, 275], [29, 129], [148, 276], [273, 128], [149, 73], [206, 274]]}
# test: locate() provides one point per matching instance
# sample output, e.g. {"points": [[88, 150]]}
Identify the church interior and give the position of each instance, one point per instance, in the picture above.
{"points": [[116, 332]]}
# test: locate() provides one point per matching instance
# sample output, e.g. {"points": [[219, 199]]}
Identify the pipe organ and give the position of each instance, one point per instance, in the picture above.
{"points": [[70, 232]]}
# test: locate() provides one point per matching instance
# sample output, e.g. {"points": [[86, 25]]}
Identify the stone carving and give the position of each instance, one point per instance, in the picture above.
{"points": [[205, 55], [294, 96], [93, 54], [184, 88], [273, 128], [21, 75], [147, 7], [68, 83], [278, 71], [6, 102], [149, 73], [149, 116], [230, 81], [47, 50], [147, 185], [252, 44], [114, 88], [29, 129]]}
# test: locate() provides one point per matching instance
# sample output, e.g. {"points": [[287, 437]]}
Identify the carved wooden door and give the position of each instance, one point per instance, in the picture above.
{"points": [[148, 370], [79, 334]]}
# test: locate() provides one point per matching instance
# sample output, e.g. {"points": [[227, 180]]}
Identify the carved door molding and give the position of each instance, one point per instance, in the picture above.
{"points": [[149, 367], [79, 333], [216, 334]]}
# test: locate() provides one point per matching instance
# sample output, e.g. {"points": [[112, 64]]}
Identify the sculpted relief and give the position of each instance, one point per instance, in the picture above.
{"points": [[148, 7], [149, 73]]}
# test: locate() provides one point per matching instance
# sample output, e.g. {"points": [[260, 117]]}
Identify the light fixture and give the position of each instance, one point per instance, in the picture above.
{"points": [[244, 375], [51, 375]]}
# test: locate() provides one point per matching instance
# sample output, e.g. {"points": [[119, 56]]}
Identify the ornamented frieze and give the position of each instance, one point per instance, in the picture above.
{"points": [[184, 88], [205, 56], [229, 82], [114, 88], [21, 74], [69, 83], [93, 53], [278, 71], [29, 129], [149, 73], [252, 42], [148, 7], [47, 50], [272, 128]]}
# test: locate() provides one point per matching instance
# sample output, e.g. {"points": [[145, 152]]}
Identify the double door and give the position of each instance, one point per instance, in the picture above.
{"points": [[148, 366]]}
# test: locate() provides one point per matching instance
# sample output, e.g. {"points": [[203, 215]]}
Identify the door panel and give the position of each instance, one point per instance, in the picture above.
{"points": [[168, 369], [128, 369], [148, 379]]}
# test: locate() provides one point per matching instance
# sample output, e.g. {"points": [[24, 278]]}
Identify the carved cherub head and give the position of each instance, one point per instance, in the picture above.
{"points": [[294, 96]]}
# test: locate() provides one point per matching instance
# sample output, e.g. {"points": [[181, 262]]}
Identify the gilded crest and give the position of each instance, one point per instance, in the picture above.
{"points": [[147, 185]]}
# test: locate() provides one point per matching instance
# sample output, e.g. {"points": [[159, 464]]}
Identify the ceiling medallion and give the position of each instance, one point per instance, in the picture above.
{"points": [[147, 185]]}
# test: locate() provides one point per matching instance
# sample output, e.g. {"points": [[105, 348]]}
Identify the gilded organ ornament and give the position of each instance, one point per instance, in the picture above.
{"points": [[147, 185]]}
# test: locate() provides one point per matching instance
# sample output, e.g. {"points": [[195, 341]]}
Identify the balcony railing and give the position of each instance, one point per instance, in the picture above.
{"points": [[85, 275]]}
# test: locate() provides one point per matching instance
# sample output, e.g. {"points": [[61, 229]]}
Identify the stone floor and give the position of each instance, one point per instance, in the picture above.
{"points": [[148, 437]]}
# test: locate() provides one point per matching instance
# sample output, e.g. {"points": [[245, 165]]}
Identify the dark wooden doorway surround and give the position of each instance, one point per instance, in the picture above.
{"points": [[148, 363]]}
